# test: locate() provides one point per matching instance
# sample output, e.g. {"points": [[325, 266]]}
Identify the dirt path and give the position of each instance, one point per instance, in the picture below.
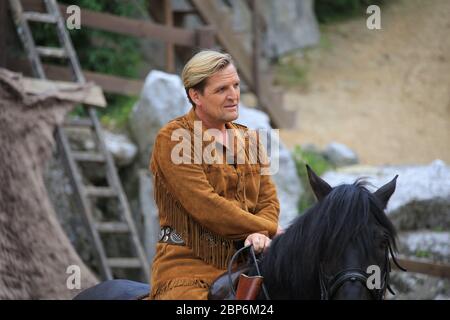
{"points": [[384, 93]]}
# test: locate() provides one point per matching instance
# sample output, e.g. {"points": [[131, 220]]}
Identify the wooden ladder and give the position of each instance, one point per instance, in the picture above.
{"points": [[124, 225]]}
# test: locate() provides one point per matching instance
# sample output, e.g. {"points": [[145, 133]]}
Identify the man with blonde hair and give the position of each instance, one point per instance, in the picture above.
{"points": [[206, 208]]}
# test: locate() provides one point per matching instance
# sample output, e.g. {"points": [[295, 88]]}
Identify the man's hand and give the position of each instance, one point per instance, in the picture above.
{"points": [[279, 231], [259, 242]]}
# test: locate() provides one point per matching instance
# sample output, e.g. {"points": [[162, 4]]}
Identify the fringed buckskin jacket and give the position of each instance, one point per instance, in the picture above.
{"points": [[209, 205]]}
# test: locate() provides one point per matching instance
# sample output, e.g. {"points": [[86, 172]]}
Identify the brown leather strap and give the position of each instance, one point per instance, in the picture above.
{"points": [[248, 287]]}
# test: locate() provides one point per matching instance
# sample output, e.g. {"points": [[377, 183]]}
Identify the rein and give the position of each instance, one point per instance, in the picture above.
{"points": [[255, 261]]}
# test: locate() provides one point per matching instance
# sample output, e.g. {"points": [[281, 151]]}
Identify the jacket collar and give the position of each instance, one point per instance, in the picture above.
{"points": [[191, 116]]}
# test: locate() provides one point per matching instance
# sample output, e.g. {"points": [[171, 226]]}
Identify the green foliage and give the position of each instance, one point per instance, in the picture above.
{"points": [[107, 52], [335, 10], [423, 254], [103, 52], [115, 117], [97, 50], [318, 163], [291, 74]]}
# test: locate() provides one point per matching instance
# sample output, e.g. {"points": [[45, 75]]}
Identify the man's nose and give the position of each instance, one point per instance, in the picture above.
{"points": [[233, 94]]}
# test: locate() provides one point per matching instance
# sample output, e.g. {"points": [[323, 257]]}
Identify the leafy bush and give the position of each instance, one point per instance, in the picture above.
{"points": [[102, 51], [116, 118], [422, 254]]}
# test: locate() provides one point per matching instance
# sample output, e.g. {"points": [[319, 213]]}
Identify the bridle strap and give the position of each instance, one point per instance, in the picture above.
{"points": [[351, 274], [389, 270], [347, 275], [323, 287], [354, 274], [255, 261]]}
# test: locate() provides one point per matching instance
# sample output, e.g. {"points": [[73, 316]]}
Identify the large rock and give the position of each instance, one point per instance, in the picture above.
{"points": [[340, 155], [415, 286], [121, 148], [291, 24], [421, 199], [434, 245], [149, 212], [163, 98], [242, 23]]}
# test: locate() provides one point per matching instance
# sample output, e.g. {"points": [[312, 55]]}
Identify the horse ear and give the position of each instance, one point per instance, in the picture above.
{"points": [[319, 186], [385, 192]]}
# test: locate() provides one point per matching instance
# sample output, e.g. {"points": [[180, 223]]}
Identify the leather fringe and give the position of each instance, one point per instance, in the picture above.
{"points": [[209, 247]]}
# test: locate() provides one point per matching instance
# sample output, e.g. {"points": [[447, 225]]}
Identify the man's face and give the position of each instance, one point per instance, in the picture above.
{"points": [[219, 102]]}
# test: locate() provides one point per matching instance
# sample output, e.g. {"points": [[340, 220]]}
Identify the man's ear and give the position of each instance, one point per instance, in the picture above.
{"points": [[194, 95], [319, 186]]}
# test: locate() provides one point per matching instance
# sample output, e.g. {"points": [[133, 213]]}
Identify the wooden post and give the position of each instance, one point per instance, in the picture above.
{"points": [[3, 32], [170, 51], [205, 37], [256, 49], [183, 53]]}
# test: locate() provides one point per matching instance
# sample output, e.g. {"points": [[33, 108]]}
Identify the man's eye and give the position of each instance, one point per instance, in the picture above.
{"points": [[236, 85]]}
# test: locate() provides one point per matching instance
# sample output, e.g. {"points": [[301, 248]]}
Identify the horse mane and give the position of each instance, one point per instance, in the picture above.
{"points": [[350, 212]]}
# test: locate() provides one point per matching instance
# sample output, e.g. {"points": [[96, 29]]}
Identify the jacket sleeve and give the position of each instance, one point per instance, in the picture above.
{"points": [[190, 186], [268, 206]]}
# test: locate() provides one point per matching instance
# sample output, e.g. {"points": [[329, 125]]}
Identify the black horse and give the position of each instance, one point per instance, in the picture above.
{"points": [[326, 253], [329, 252]]}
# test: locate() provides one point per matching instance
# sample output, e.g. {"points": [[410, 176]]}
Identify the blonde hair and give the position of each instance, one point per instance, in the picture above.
{"points": [[200, 67]]}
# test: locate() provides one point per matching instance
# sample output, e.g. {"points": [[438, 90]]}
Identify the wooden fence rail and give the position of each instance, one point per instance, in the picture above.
{"points": [[131, 27], [430, 268], [109, 83]]}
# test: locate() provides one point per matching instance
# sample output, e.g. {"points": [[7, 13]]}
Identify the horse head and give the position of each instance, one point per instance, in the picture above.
{"points": [[338, 249]]}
